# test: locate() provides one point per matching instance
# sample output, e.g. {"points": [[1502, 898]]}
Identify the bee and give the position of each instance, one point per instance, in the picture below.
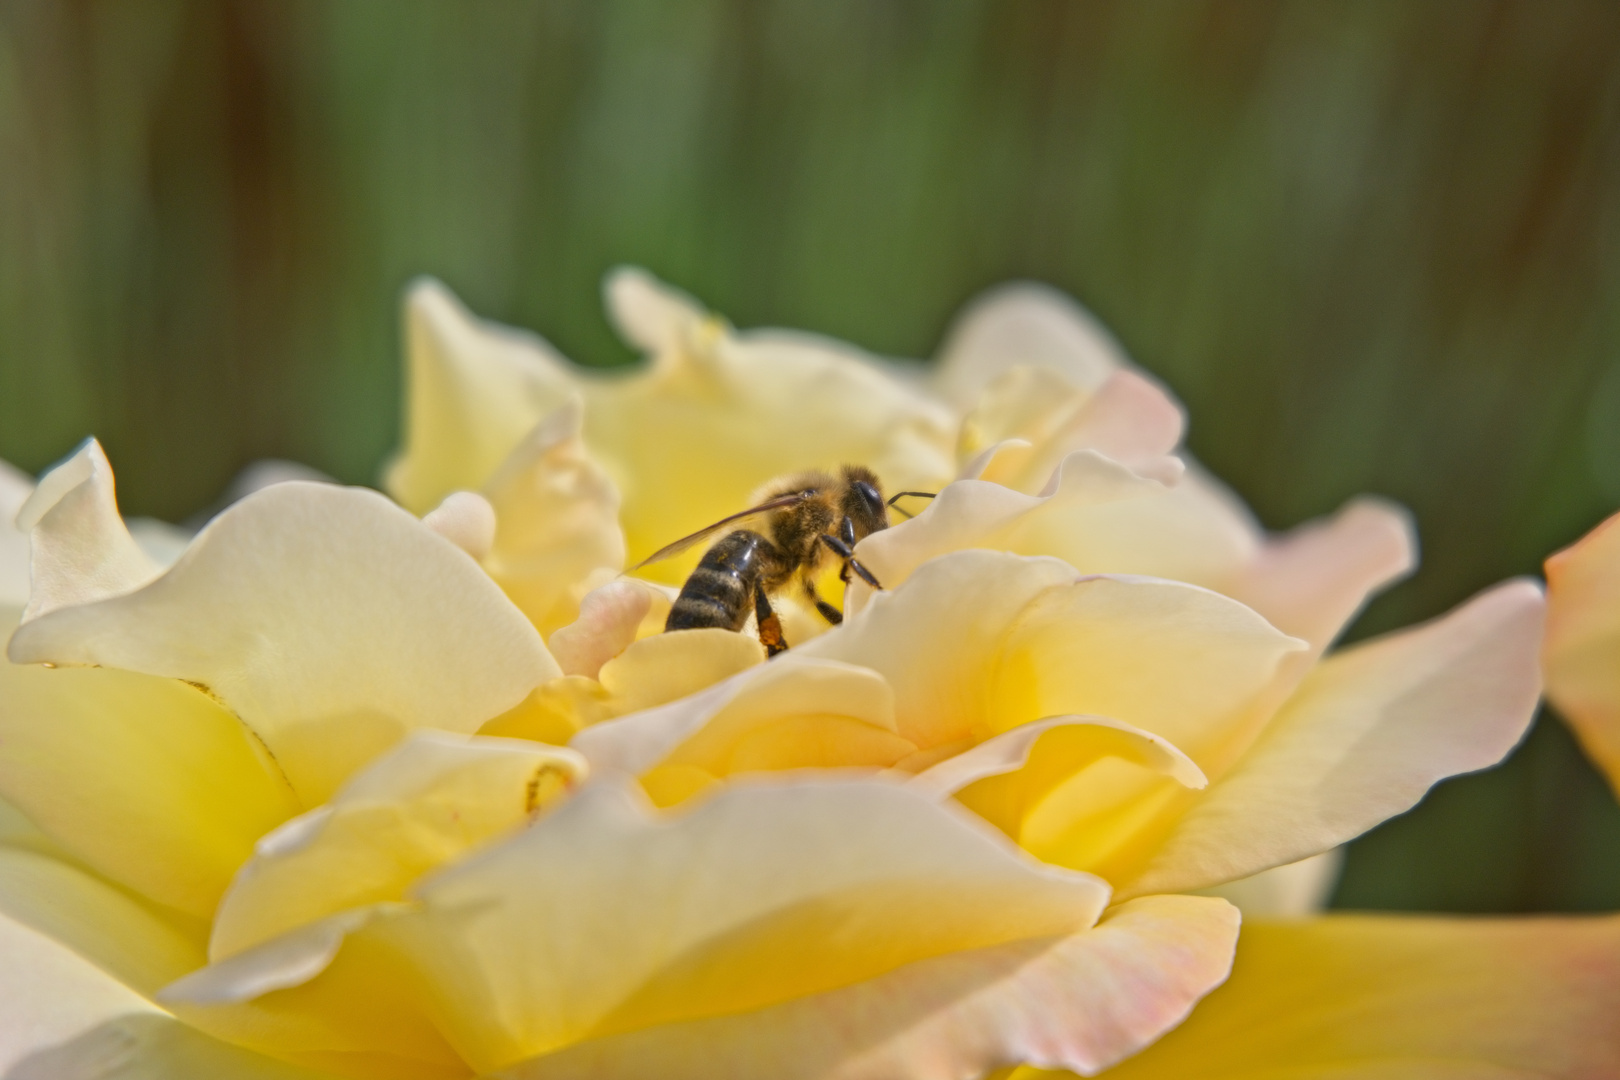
{"points": [[799, 524]]}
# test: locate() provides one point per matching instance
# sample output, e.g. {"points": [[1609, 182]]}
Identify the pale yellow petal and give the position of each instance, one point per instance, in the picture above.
{"points": [[1083, 1001], [606, 917], [474, 389], [649, 314], [1290, 891], [153, 1046], [1010, 750], [81, 551], [557, 519], [49, 994], [1028, 324], [429, 801], [15, 487], [1366, 735], [1405, 998], [145, 779], [141, 947], [766, 403], [1582, 654], [330, 620], [467, 520]]}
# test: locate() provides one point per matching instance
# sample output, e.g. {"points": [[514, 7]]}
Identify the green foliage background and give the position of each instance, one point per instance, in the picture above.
{"points": [[1372, 245]]}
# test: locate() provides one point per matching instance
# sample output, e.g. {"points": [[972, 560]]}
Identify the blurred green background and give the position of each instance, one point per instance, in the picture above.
{"points": [[1373, 246]]}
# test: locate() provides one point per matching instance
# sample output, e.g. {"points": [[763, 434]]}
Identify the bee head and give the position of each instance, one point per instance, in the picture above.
{"points": [[863, 501]]}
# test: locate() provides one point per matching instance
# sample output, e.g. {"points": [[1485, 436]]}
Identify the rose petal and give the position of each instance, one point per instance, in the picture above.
{"points": [[15, 487], [132, 943], [1366, 997], [474, 389], [610, 616], [152, 1046], [1290, 891], [558, 516], [1366, 735], [466, 519], [329, 619], [1582, 655], [1024, 323], [605, 917], [1084, 1001], [427, 802], [81, 550], [147, 780], [49, 994], [1312, 581], [1011, 750]]}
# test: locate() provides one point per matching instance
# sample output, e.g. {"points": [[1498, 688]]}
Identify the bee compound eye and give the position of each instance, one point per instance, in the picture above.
{"points": [[870, 496]]}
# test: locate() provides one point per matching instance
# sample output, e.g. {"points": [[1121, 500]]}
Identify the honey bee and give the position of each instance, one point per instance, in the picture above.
{"points": [[799, 523]]}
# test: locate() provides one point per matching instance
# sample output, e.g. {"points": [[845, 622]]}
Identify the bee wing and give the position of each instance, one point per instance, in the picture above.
{"points": [[686, 542]]}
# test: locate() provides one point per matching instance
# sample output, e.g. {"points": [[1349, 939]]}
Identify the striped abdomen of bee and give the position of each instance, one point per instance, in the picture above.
{"points": [[731, 580]]}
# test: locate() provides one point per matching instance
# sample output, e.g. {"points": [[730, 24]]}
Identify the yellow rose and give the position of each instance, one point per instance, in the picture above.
{"points": [[978, 671], [1583, 642], [248, 832]]}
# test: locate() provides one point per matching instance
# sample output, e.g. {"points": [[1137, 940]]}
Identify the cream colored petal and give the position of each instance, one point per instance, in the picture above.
{"points": [[1101, 517], [1037, 419], [1290, 891], [1405, 998], [153, 1046], [330, 620], [145, 779], [1364, 737], [1312, 581], [654, 317], [1024, 323], [15, 487], [49, 994], [473, 391], [558, 522], [81, 550], [1083, 1001], [1011, 749], [609, 619], [137, 945], [426, 803], [1582, 655], [689, 438], [606, 917]]}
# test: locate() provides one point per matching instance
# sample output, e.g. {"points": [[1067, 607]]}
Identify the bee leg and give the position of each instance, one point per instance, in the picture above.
{"points": [[828, 612], [847, 553], [770, 627]]}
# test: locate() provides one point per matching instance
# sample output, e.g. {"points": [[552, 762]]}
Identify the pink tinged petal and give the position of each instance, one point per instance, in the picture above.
{"points": [[1366, 735], [474, 390], [1130, 417], [609, 618], [558, 519], [427, 802], [1312, 581], [1009, 751], [1582, 655], [81, 550], [466, 519], [1385, 997], [330, 620], [1027, 324], [1081, 1002]]}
